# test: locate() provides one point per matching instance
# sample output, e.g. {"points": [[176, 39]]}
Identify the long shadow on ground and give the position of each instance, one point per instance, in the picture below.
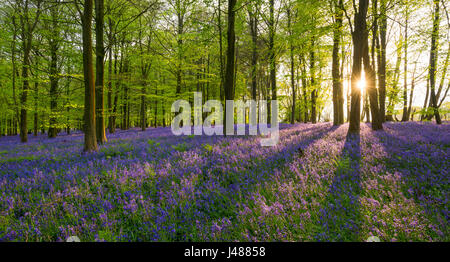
{"points": [[234, 187], [422, 163], [339, 216]]}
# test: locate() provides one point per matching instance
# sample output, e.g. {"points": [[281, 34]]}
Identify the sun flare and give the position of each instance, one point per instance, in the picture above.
{"points": [[362, 82]]}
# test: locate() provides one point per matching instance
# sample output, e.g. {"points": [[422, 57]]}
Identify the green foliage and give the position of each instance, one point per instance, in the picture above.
{"points": [[342, 164], [207, 147], [166, 51], [152, 143], [20, 159], [106, 235], [181, 147], [116, 150]]}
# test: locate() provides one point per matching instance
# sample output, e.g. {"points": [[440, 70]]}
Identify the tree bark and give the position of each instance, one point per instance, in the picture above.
{"points": [[180, 31], [222, 75], [145, 67], [54, 78], [382, 61], [433, 60], [14, 75], [156, 107], [272, 58], [291, 49], [113, 117], [372, 90], [100, 69], [305, 90], [312, 70], [405, 116], [411, 94], [36, 97], [52, 131], [338, 101], [110, 65], [425, 102], [90, 140], [359, 36], [371, 86], [253, 23], [229, 71]]}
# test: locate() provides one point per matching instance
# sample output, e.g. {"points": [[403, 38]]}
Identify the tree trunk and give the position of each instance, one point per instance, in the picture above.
{"points": [[382, 61], [26, 45], [27, 26], [163, 105], [100, 69], [67, 103], [405, 116], [14, 75], [143, 110], [222, 75], [254, 34], [338, 101], [125, 96], [370, 76], [144, 75], [377, 124], [90, 140], [291, 49], [425, 102], [36, 97], [313, 83], [305, 91], [110, 71], [180, 31], [411, 94], [229, 70], [366, 108], [156, 105], [116, 95], [54, 78], [433, 61], [359, 37], [273, 66]]}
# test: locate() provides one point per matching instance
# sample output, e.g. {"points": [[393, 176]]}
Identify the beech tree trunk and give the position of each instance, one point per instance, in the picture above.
{"points": [[382, 60], [229, 70], [27, 27], [433, 61], [36, 97], [100, 69], [338, 101], [253, 23], [221, 58], [312, 69], [405, 116], [411, 94], [359, 44], [90, 140], [273, 65], [291, 49], [52, 131]]}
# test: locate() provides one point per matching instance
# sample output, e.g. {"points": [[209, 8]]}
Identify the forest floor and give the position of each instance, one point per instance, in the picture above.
{"points": [[315, 185]]}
